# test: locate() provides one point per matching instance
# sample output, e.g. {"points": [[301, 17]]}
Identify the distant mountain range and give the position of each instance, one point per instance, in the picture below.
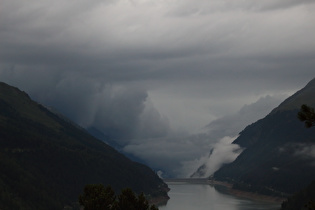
{"points": [[45, 160], [279, 155]]}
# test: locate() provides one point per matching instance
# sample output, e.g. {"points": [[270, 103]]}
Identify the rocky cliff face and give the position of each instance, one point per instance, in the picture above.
{"points": [[279, 155]]}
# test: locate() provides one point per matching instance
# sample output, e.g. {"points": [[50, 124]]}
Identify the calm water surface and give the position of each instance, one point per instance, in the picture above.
{"points": [[186, 196]]}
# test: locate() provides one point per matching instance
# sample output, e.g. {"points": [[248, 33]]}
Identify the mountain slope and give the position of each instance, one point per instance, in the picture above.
{"points": [[279, 156], [304, 199], [46, 161]]}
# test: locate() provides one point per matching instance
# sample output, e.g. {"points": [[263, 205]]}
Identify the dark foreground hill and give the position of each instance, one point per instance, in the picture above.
{"points": [[45, 161], [279, 156], [302, 200]]}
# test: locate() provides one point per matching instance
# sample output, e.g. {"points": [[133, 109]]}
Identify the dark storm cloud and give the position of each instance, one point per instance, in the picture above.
{"points": [[137, 40], [122, 112], [147, 72]]}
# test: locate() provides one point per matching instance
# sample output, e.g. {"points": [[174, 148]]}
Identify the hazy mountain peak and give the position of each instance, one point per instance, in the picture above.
{"points": [[278, 156]]}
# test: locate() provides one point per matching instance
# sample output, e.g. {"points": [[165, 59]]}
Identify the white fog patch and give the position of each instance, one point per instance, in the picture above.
{"points": [[168, 153], [222, 152], [181, 154], [305, 150]]}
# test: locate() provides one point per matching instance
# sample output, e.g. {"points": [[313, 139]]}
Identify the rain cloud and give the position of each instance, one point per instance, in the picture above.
{"points": [[150, 75]]}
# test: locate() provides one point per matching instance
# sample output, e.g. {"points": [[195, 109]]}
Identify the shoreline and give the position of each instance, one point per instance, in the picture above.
{"points": [[227, 188], [246, 194], [159, 201]]}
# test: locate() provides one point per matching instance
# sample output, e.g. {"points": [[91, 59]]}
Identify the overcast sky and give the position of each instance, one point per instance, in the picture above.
{"points": [[159, 77]]}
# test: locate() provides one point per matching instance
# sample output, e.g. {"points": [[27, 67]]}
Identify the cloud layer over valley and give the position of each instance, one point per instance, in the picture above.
{"points": [[165, 80]]}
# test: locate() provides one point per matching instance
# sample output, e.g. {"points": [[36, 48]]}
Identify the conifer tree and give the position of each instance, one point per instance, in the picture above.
{"points": [[307, 115], [97, 197]]}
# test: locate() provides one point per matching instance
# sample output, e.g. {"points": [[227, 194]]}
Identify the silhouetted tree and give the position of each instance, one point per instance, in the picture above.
{"points": [[310, 205], [127, 200], [153, 207], [307, 115], [97, 197], [142, 202]]}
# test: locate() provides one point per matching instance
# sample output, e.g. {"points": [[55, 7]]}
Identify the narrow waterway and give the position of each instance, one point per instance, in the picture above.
{"points": [[202, 196]]}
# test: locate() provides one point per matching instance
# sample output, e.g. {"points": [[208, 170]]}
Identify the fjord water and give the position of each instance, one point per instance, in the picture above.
{"points": [[187, 196]]}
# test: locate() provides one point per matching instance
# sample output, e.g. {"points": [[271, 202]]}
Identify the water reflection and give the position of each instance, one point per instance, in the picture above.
{"points": [[185, 196]]}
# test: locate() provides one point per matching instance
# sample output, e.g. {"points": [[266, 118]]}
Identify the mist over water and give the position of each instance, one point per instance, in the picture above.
{"points": [[185, 196]]}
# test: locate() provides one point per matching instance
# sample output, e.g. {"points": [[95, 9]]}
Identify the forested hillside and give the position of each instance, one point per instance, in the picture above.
{"points": [[304, 199], [45, 162], [278, 158]]}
